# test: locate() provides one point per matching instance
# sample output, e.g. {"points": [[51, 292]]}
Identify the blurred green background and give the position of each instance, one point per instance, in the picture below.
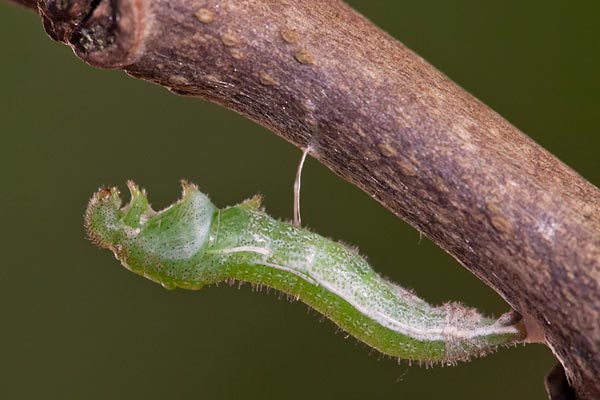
{"points": [[78, 326]]}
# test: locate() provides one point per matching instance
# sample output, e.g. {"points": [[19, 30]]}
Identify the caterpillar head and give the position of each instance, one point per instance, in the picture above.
{"points": [[145, 241], [103, 217]]}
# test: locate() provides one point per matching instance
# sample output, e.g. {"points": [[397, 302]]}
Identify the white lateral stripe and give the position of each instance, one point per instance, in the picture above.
{"points": [[241, 249], [425, 333], [266, 253], [434, 333], [437, 333], [291, 271]]}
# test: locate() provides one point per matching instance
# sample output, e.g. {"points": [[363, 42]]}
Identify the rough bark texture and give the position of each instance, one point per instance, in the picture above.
{"points": [[321, 76]]}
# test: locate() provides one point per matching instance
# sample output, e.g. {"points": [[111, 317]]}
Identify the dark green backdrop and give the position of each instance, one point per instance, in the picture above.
{"points": [[75, 325]]}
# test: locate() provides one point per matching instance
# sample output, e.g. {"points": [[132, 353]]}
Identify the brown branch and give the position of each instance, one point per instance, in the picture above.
{"points": [[321, 76]]}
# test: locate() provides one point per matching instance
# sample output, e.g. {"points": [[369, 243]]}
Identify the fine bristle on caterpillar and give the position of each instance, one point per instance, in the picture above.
{"points": [[192, 244]]}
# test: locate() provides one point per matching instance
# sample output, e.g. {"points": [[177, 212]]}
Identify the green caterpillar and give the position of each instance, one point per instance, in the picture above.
{"points": [[192, 244]]}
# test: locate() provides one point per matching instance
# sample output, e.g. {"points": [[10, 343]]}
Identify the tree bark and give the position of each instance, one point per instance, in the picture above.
{"points": [[323, 77]]}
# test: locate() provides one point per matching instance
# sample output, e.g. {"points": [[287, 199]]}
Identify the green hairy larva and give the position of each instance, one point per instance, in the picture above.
{"points": [[192, 244]]}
